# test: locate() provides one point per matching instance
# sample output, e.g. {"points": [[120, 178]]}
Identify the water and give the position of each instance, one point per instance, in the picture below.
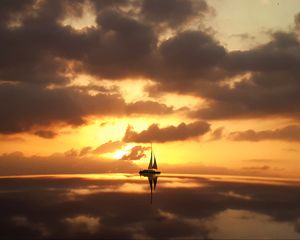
{"points": [[118, 206]]}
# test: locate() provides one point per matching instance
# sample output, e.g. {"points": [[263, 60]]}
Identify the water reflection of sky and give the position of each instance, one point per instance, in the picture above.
{"points": [[117, 206]]}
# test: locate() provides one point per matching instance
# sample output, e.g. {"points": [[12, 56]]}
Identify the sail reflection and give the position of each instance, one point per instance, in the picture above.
{"points": [[152, 179]]}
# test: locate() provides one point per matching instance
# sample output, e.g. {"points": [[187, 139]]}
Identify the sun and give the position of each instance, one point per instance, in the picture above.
{"points": [[122, 152], [119, 154]]}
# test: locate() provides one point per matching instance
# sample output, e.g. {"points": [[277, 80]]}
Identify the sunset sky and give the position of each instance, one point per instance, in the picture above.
{"points": [[86, 86]]}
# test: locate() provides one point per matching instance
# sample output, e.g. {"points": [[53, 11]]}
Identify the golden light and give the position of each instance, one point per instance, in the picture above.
{"points": [[119, 154], [122, 152]]}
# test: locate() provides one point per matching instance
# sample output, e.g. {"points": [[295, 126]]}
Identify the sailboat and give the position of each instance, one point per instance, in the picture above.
{"points": [[152, 167]]}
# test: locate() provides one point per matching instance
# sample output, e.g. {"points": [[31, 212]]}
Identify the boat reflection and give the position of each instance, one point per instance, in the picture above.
{"points": [[152, 178]]}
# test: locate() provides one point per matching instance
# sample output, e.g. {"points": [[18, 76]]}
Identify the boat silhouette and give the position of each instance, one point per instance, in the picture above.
{"points": [[152, 167]]}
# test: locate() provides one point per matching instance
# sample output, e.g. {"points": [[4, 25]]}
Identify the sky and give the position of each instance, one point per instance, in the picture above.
{"points": [[86, 86]]}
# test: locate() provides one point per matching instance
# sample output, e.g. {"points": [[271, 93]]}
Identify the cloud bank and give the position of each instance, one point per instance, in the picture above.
{"points": [[167, 134]]}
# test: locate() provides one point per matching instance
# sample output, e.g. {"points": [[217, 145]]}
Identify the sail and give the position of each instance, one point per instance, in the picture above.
{"points": [[154, 166], [150, 164]]}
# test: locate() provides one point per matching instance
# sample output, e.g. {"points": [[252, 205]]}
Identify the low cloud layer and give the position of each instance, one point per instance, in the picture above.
{"points": [[288, 133], [70, 162], [167, 134]]}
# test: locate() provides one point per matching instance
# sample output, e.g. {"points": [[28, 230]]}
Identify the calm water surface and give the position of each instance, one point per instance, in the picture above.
{"points": [[120, 206]]}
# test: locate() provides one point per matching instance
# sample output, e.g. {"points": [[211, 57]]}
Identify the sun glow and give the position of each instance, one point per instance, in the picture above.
{"points": [[122, 152], [119, 154]]}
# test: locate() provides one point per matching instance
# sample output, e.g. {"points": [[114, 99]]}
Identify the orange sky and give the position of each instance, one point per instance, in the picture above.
{"points": [[86, 86]]}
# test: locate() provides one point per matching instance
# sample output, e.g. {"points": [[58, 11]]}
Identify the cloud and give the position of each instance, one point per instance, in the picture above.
{"points": [[45, 134], [217, 134], [167, 134], [297, 21], [47, 47], [84, 151], [136, 153], [173, 12], [27, 107], [259, 168], [109, 146], [59, 163], [126, 42], [149, 107], [288, 133], [280, 54], [272, 88], [244, 36], [36, 41], [23, 222], [83, 224], [192, 55]]}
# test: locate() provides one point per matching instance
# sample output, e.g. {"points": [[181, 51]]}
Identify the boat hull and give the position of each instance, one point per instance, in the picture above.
{"points": [[148, 172]]}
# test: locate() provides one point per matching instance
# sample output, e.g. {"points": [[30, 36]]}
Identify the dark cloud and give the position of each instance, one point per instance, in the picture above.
{"points": [[146, 107], [217, 134], [39, 50], [27, 106], [192, 50], [11, 9], [45, 134], [288, 133], [119, 46], [35, 50], [136, 153], [297, 21], [281, 54], [116, 4], [116, 48], [167, 134], [190, 56], [123, 46], [173, 12], [201, 66], [271, 90]]}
